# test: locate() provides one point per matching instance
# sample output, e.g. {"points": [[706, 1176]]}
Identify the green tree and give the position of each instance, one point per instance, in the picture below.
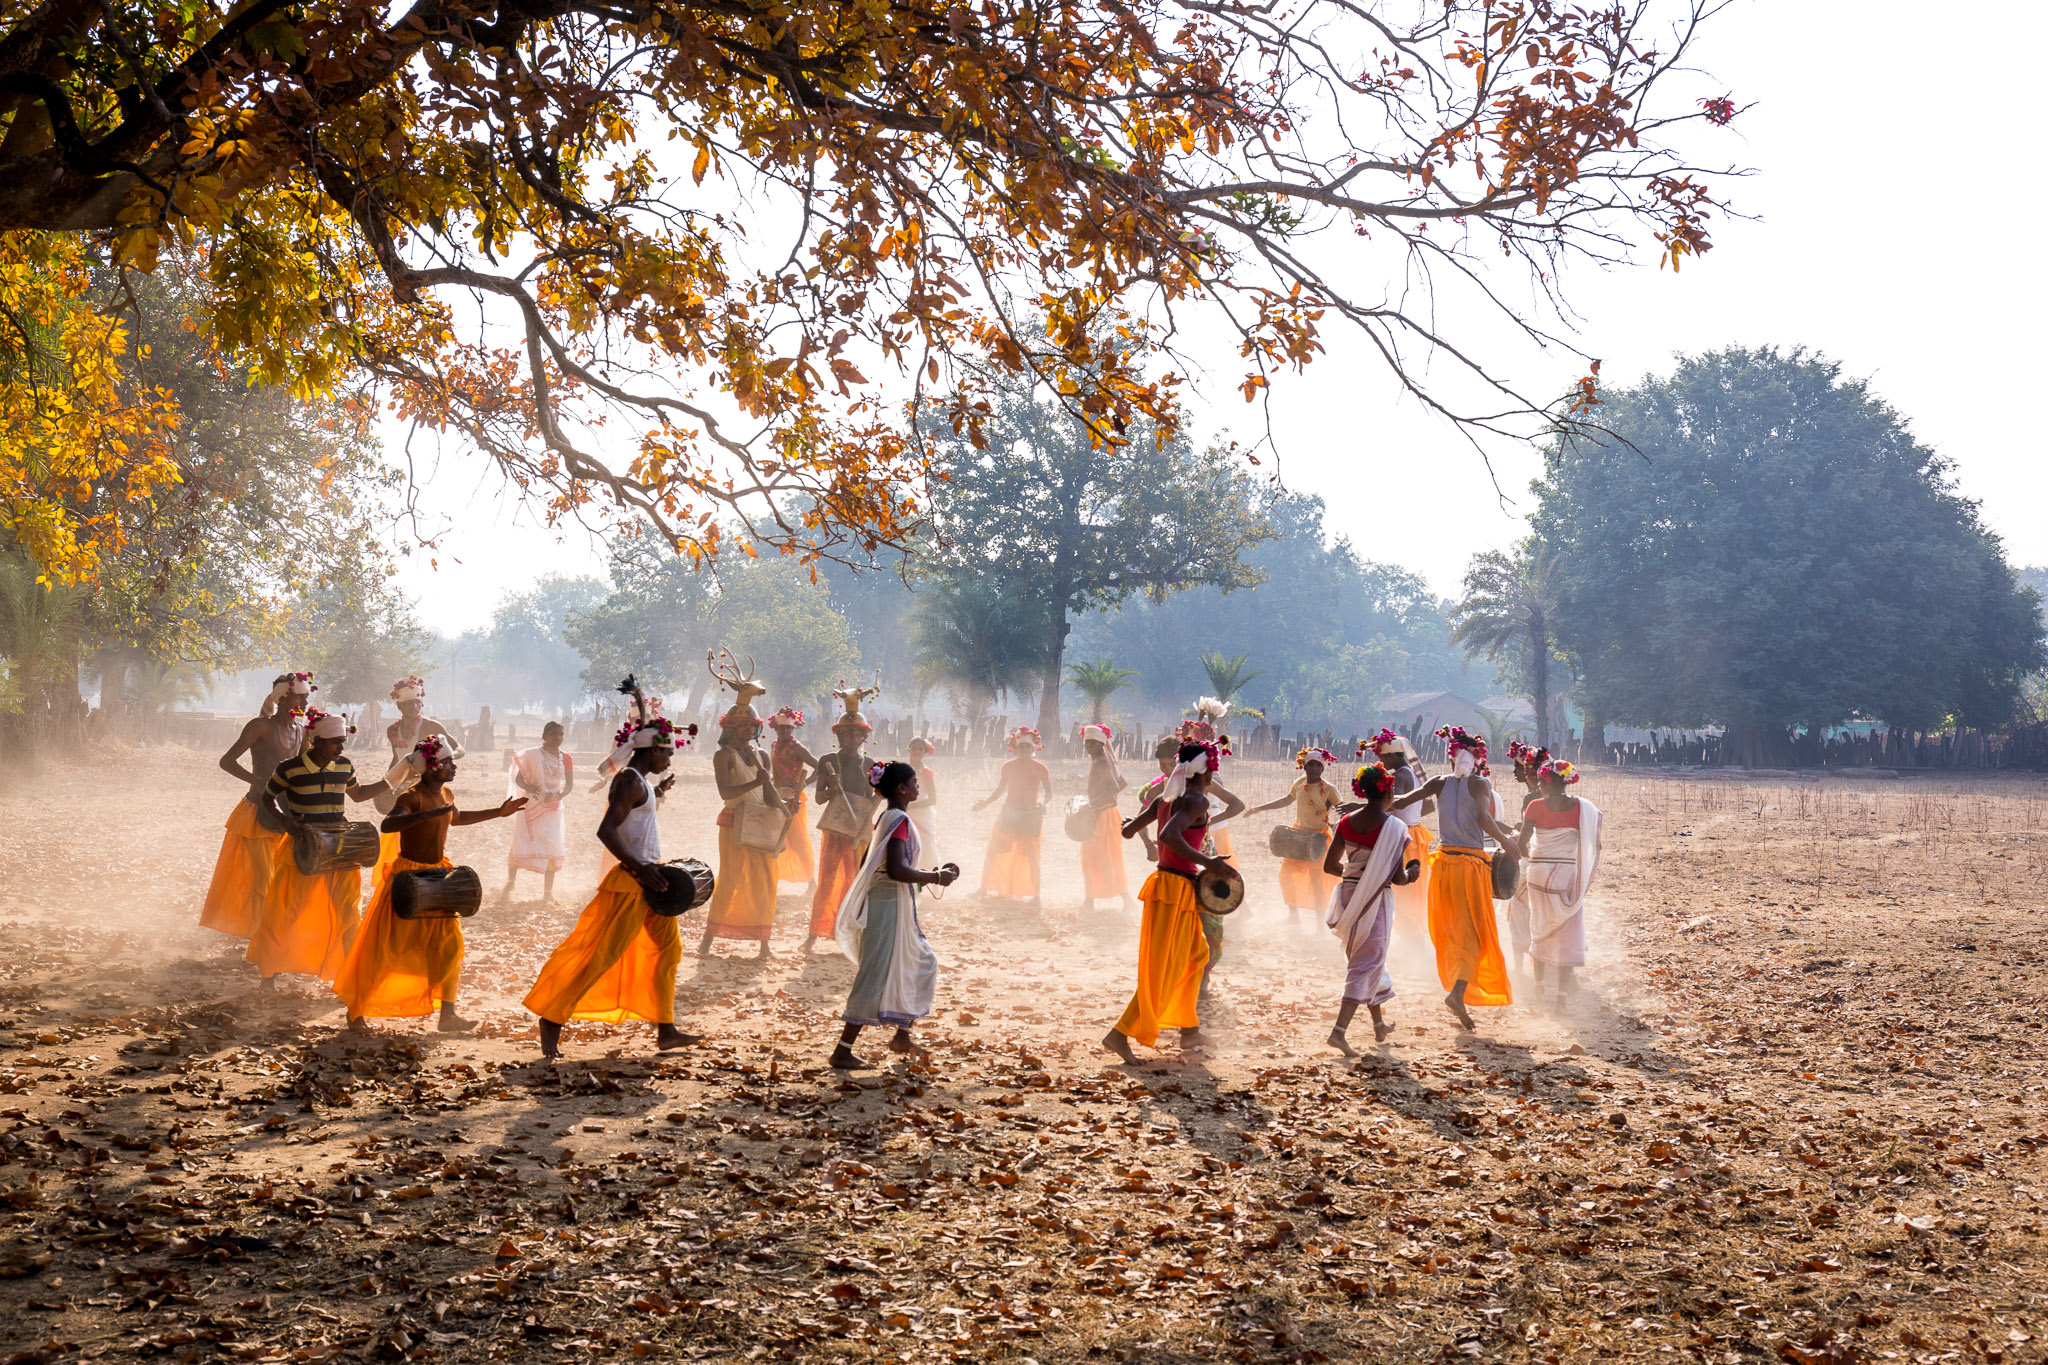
{"points": [[1228, 674], [356, 636], [525, 652], [770, 609], [1099, 680], [1069, 521], [980, 643], [1781, 552], [1504, 615]]}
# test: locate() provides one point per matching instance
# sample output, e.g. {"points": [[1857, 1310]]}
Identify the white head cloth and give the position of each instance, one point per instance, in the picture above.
{"points": [[330, 727], [1463, 763], [1177, 780], [405, 692]]}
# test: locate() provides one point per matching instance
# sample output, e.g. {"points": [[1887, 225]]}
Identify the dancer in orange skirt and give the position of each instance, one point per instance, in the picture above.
{"points": [[404, 736], [309, 922], [793, 764], [1304, 885], [843, 793], [1398, 756], [1461, 921], [399, 968], [1173, 953], [743, 897], [1010, 868], [1102, 853], [620, 960], [250, 849]]}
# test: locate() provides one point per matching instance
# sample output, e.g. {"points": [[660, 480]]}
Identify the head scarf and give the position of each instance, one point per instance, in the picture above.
{"points": [[322, 725], [1099, 733], [648, 734], [409, 689], [1177, 780]]}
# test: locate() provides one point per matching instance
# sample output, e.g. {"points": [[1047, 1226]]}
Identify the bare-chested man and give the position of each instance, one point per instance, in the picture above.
{"points": [[398, 968], [241, 875]]}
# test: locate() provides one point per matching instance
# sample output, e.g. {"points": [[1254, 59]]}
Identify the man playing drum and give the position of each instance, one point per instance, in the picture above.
{"points": [[405, 968], [1303, 883], [250, 849], [620, 960], [309, 919]]}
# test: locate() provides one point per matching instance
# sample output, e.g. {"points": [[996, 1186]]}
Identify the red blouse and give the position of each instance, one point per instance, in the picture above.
{"points": [[1539, 814]]}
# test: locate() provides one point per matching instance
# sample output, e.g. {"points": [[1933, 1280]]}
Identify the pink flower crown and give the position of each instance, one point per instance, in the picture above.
{"points": [[430, 749], [1025, 732], [1370, 781], [1557, 770], [418, 685], [1456, 737], [1307, 756], [674, 734], [788, 715]]}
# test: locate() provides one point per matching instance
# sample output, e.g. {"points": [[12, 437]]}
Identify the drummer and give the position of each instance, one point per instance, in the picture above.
{"points": [[620, 960], [309, 922], [400, 968], [1303, 883]]}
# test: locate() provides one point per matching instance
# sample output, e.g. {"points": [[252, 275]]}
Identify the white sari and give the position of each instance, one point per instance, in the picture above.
{"points": [[1562, 863], [901, 987], [1363, 918], [540, 831]]}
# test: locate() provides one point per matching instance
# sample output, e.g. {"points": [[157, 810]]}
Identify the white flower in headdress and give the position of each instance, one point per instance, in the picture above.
{"points": [[1212, 709]]}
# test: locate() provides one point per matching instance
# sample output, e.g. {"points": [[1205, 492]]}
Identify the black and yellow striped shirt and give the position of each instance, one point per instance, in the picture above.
{"points": [[310, 792]]}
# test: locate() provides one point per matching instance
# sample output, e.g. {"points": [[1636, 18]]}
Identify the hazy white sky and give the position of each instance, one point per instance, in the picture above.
{"points": [[1877, 158]]}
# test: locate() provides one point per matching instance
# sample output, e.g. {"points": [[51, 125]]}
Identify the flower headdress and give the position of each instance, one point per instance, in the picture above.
{"points": [[1371, 780], [648, 733], [788, 715], [1313, 755], [1557, 770], [430, 749], [409, 689], [1100, 733], [1023, 732], [327, 725], [293, 688], [1456, 737], [875, 771]]}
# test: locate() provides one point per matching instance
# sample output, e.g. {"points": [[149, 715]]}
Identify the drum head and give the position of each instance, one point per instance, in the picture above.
{"points": [[1218, 894]]}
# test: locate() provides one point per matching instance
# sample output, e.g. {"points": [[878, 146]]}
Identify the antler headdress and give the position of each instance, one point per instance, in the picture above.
{"points": [[851, 698], [745, 686]]}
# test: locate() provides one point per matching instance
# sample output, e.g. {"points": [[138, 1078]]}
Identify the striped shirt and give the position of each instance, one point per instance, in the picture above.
{"points": [[311, 792]]}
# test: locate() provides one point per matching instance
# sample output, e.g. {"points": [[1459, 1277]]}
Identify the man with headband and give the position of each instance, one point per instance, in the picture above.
{"points": [[620, 960], [1461, 922], [309, 921], [250, 849]]}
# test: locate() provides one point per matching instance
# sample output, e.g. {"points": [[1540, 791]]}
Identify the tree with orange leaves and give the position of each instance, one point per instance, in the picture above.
{"points": [[645, 253]]}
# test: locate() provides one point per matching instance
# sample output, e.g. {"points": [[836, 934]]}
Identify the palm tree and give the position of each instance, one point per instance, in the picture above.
{"points": [[1099, 681], [979, 642], [1506, 611], [1228, 676]]}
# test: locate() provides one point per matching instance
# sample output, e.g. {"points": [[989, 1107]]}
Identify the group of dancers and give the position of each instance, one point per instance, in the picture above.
{"points": [[874, 856]]}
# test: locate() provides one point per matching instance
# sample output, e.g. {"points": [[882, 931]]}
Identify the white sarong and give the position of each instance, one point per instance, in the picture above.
{"points": [[540, 832], [1560, 873]]}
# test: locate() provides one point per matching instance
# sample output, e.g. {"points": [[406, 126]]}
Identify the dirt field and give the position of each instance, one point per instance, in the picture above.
{"points": [[1796, 1115]]}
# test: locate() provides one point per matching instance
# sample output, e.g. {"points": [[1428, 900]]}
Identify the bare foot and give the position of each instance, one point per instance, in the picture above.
{"points": [[844, 1060], [1382, 1032], [1337, 1040], [550, 1039], [1193, 1040], [904, 1044], [1120, 1045], [669, 1036], [764, 950], [1457, 1007], [266, 983], [451, 1022], [358, 1024], [809, 939]]}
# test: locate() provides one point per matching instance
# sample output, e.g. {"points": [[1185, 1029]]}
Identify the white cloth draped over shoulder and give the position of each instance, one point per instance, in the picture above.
{"points": [[1355, 907], [912, 976], [1562, 864], [540, 831]]}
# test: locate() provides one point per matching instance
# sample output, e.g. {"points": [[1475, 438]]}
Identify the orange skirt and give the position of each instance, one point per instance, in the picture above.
{"points": [[1172, 954], [241, 875], [743, 900], [838, 861], [1411, 902], [798, 862], [1009, 870], [618, 963], [1219, 840], [387, 854], [1461, 925], [309, 923], [1304, 885], [1102, 858], [400, 968]]}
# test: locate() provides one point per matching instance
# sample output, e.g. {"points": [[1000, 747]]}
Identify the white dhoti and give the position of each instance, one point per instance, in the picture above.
{"points": [[1562, 863], [540, 832]]}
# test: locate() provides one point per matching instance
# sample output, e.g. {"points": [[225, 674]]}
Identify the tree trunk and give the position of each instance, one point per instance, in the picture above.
{"points": [[1539, 678], [1055, 666]]}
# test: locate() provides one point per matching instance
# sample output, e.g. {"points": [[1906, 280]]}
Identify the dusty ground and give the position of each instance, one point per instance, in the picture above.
{"points": [[1796, 1115]]}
